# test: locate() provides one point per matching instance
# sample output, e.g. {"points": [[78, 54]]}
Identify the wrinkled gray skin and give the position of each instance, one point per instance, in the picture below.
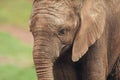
{"points": [[76, 39]]}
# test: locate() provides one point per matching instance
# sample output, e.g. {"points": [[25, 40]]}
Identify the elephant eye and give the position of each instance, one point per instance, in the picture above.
{"points": [[62, 32]]}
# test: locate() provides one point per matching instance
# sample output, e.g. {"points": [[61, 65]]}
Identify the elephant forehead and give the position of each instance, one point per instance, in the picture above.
{"points": [[50, 13], [45, 20], [54, 20]]}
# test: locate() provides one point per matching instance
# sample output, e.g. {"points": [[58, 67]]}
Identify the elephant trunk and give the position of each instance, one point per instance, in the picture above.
{"points": [[43, 62], [43, 66]]}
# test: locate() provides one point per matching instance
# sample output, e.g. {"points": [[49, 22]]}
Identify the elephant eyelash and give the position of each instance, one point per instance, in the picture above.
{"points": [[62, 31]]}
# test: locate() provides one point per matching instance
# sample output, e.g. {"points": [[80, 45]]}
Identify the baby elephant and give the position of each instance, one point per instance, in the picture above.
{"points": [[76, 39]]}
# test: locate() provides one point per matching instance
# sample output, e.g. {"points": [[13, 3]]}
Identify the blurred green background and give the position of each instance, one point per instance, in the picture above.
{"points": [[16, 41]]}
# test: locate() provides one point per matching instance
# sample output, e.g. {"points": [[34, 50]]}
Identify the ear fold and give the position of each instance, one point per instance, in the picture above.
{"points": [[92, 25]]}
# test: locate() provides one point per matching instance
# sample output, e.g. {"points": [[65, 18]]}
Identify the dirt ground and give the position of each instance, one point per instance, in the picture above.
{"points": [[20, 33]]}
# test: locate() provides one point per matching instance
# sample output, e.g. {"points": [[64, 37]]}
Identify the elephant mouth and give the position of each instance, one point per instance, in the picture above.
{"points": [[63, 66], [65, 49]]}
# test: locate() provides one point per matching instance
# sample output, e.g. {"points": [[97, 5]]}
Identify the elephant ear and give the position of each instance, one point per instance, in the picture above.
{"points": [[92, 26]]}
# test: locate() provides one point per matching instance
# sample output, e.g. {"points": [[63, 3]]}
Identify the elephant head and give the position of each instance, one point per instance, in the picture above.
{"points": [[57, 25]]}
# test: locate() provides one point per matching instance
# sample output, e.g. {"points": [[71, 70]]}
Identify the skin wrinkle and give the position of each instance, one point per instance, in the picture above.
{"points": [[46, 11], [113, 47], [36, 34], [43, 63], [62, 6], [116, 7], [54, 15], [56, 22]]}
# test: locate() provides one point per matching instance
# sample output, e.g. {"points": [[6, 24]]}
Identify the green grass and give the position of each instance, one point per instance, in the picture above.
{"points": [[11, 72], [9, 45], [15, 12], [21, 67], [15, 56]]}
